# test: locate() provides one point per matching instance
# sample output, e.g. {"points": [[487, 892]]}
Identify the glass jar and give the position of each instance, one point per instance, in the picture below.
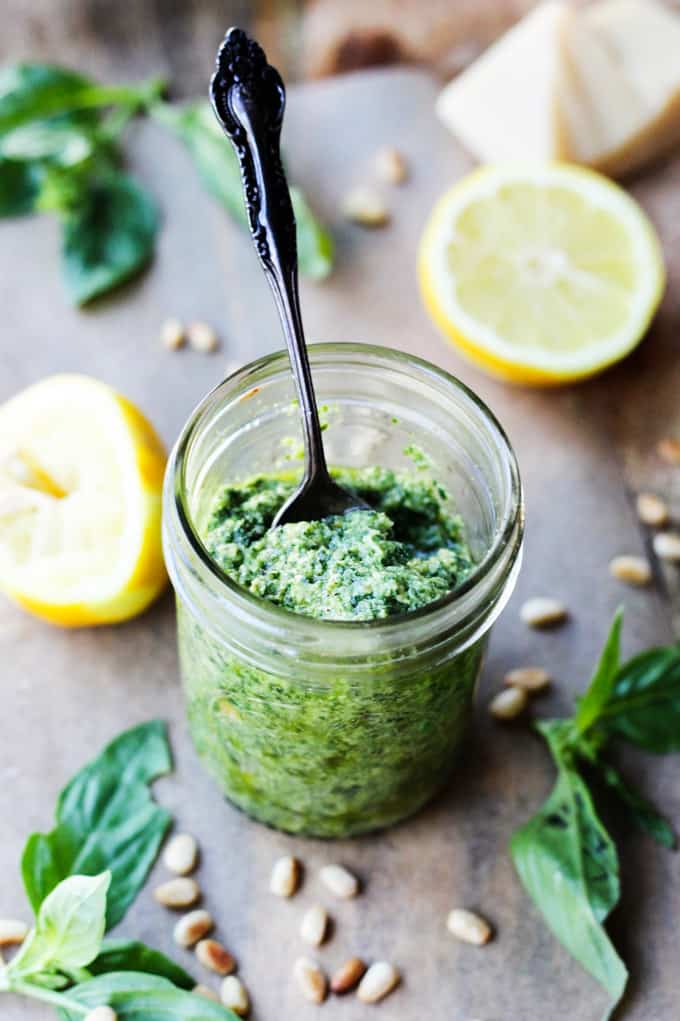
{"points": [[334, 728]]}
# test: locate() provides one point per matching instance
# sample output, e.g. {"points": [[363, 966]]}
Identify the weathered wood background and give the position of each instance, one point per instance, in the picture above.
{"points": [[582, 451]]}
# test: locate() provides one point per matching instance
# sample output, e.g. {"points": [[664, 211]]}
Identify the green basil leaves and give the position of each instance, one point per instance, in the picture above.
{"points": [[213, 154], [60, 152], [564, 856], [106, 819]]}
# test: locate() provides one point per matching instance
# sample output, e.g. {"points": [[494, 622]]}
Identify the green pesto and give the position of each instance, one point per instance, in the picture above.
{"points": [[406, 552], [354, 751]]}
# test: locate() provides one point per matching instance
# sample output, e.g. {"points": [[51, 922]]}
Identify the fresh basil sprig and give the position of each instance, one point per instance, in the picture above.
{"points": [[60, 152], [564, 856], [106, 819], [108, 827]]}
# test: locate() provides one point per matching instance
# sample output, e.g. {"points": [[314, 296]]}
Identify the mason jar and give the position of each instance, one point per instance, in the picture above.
{"points": [[321, 727]]}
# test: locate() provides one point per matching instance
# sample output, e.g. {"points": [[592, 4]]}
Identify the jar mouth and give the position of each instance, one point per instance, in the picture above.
{"points": [[510, 526]]}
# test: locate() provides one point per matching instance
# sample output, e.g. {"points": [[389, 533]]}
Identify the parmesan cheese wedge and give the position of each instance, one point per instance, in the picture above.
{"points": [[506, 104], [598, 85], [643, 38]]}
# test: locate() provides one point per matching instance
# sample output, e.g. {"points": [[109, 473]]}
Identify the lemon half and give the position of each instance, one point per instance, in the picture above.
{"points": [[81, 473], [542, 274]]}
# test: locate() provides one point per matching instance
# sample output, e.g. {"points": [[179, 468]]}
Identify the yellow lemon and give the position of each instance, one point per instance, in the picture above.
{"points": [[81, 473], [541, 274]]}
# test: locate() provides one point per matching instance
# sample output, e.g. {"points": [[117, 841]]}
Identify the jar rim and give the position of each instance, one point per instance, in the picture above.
{"points": [[512, 520]]}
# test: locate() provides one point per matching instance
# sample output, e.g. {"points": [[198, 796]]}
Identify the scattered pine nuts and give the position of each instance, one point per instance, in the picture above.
{"points": [[234, 995], [632, 570], [311, 979], [180, 854], [530, 678], [214, 956], [285, 877], [668, 450], [12, 932], [340, 881], [652, 510], [192, 927], [178, 893], [348, 976], [390, 165], [667, 545], [172, 334], [543, 612], [468, 927], [102, 1013], [365, 206], [202, 337], [380, 979], [314, 925], [206, 992], [509, 703]]}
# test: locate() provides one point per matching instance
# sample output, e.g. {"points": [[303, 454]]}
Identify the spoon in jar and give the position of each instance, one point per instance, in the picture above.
{"points": [[248, 97]]}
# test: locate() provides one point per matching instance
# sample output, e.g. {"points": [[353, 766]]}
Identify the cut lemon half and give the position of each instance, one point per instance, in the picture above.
{"points": [[81, 473], [542, 274]]}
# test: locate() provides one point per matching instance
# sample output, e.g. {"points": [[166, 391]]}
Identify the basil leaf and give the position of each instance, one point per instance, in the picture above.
{"points": [[106, 819], [57, 141], [213, 154], [140, 997], [315, 245], [642, 812], [215, 159], [108, 237], [590, 705], [19, 187], [644, 706], [31, 92], [130, 955], [569, 867], [68, 930]]}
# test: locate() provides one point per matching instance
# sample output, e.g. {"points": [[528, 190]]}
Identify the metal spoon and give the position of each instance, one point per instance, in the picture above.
{"points": [[248, 97]]}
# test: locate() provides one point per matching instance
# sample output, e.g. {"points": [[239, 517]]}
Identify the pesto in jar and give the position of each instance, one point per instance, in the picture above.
{"points": [[364, 565], [363, 749]]}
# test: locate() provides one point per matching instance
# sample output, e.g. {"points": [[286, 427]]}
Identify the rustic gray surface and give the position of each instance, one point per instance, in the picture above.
{"points": [[65, 694]]}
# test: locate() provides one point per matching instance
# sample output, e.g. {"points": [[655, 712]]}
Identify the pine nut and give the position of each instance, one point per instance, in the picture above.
{"points": [[12, 932], [192, 927], [668, 450], [202, 337], [530, 678], [314, 925], [508, 704], [285, 877], [390, 165], [214, 956], [206, 992], [365, 206], [180, 854], [172, 334], [468, 927], [103, 1013], [543, 612], [380, 979], [178, 893], [667, 545], [234, 995], [311, 979], [348, 976], [340, 881], [632, 570], [652, 510]]}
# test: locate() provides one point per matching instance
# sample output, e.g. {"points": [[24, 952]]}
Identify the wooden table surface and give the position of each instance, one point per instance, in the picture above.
{"points": [[65, 694]]}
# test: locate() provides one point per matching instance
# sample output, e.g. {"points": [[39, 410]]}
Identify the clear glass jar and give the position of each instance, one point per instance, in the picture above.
{"points": [[335, 728]]}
